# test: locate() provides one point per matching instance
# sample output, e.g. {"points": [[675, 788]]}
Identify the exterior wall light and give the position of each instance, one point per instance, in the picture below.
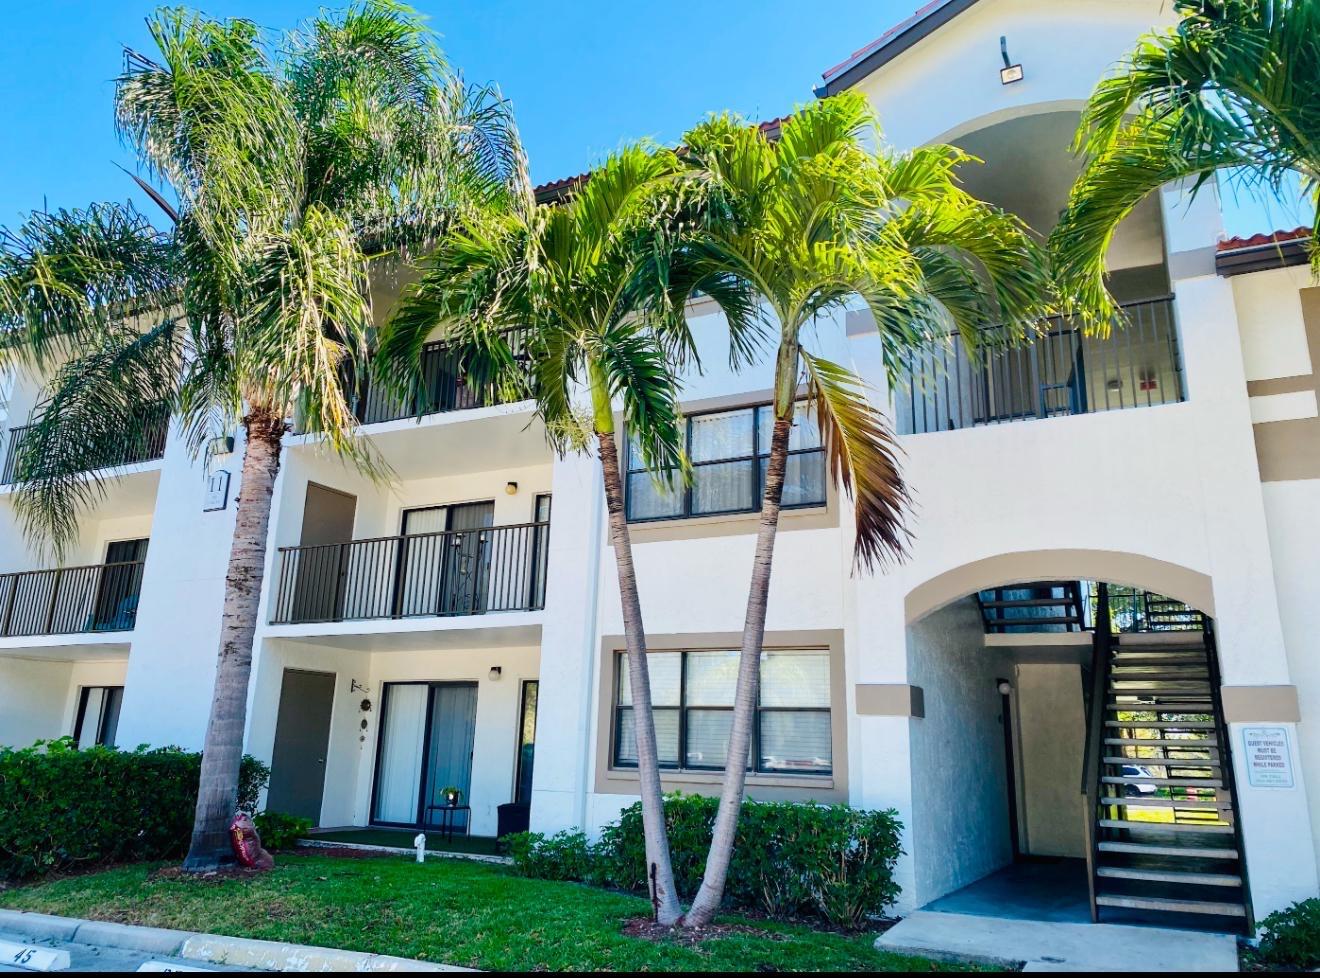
{"points": [[495, 673], [1010, 73], [511, 488]]}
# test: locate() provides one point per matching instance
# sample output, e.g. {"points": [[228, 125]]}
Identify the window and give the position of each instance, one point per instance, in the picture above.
{"points": [[692, 700], [730, 451], [98, 715], [526, 743]]}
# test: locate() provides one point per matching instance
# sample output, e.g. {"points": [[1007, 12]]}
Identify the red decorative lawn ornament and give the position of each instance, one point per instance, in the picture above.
{"points": [[246, 843]]}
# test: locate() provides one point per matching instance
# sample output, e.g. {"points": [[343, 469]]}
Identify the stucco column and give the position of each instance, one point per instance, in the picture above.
{"points": [[569, 648], [1280, 852]]}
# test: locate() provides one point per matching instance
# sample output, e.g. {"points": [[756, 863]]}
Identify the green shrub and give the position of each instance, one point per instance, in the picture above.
{"points": [[790, 860], [1291, 938], [563, 856], [281, 831], [62, 807]]}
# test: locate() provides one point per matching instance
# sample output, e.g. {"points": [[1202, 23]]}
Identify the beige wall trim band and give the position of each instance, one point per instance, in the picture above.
{"points": [[1256, 704], [1281, 385], [890, 700], [1287, 451]]}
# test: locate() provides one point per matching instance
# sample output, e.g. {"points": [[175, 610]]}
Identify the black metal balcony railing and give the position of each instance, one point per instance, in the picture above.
{"points": [[1060, 372], [70, 600], [145, 442], [446, 387], [458, 572]]}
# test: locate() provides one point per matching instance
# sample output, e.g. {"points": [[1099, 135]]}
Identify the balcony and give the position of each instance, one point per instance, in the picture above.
{"points": [[448, 574], [1059, 372], [445, 387], [70, 600], [144, 443]]}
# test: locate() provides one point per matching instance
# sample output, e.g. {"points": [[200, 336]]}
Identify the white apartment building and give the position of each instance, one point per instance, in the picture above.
{"points": [[1096, 661]]}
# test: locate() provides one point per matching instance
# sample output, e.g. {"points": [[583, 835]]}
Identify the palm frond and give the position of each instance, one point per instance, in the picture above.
{"points": [[864, 457], [94, 406], [67, 276]]}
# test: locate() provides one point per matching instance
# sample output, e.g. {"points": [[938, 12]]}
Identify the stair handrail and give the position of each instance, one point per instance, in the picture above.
{"points": [[1101, 646]]}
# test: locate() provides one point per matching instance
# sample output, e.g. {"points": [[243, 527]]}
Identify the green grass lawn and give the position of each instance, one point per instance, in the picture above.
{"points": [[449, 911]]}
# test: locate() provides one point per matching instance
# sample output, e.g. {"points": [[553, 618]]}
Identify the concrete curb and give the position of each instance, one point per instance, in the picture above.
{"points": [[209, 948], [476, 857]]}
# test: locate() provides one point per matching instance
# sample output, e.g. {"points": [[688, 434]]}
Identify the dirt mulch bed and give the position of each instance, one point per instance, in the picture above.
{"points": [[648, 929], [210, 876]]}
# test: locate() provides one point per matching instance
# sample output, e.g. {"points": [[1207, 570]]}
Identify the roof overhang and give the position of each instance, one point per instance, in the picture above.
{"points": [[1262, 257], [890, 45]]}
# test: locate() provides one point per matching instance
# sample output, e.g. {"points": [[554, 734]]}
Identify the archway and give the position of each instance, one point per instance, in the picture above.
{"points": [[1071, 764]]}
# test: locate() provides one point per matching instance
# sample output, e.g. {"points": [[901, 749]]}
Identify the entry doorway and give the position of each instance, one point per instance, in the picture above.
{"points": [[302, 740], [425, 747], [328, 517], [444, 560], [119, 585]]}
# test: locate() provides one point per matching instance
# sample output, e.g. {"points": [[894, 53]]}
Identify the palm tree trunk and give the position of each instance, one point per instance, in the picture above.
{"points": [[668, 910], [711, 895], [217, 791]]}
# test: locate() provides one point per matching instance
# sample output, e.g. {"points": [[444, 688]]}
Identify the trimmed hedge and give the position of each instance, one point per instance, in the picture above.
{"points": [[1290, 938], [279, 830], [62, 807], [790, 860]]}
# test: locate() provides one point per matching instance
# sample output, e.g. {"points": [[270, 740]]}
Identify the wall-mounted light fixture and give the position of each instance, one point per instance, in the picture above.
{"points": [[495, 673], [1010, 73], [1004, 687], [511, 488]]}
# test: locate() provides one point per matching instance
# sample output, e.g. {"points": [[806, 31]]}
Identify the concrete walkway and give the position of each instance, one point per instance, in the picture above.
{"points": [[197, 949], [1046, 946]]}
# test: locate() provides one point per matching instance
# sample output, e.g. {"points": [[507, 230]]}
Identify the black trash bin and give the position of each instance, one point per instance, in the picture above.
{"points": [[511, 818]]}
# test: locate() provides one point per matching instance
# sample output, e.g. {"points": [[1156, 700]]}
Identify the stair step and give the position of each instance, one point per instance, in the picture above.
{"points": [[1188, 804], [1192, 707], [1118, 823], [1171, 906], [1158, 650], [1190, 675], [1169, 782], [1163, 724], [1205, 743], [1169, 876], [1149, 689], [1030, 603], [1024, 622], [1176, 852], [1163, 761]]}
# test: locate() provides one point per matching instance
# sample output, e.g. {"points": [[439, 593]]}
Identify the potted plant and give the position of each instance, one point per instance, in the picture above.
{"points": [[453, 796]]}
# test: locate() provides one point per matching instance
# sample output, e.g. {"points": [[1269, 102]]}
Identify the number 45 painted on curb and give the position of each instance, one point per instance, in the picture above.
{"points": [[33, 958]]}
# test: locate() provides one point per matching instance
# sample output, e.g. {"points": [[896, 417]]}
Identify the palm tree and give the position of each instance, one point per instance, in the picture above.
{"points": [[812, 222], [591, 280], [1231, 87], [291, 166]]}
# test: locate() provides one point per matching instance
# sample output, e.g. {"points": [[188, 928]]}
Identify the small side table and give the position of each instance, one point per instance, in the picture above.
{"points": [[447, 818]]}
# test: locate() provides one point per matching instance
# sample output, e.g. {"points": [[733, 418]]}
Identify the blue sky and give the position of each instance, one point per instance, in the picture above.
{"points": [[583, 76]]}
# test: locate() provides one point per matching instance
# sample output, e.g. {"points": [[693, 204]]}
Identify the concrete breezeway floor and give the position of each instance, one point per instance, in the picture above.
{"points": [[1056, 946]]}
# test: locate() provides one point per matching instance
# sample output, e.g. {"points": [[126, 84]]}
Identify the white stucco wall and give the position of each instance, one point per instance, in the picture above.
{"points": [[959, 813]]}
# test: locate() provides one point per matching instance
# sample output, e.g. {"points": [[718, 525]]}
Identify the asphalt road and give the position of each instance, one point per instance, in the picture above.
{"points": [[90, 957]]}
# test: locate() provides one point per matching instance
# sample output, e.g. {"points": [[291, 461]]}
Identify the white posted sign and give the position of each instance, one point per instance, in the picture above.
{"points": [[1269, 760]]}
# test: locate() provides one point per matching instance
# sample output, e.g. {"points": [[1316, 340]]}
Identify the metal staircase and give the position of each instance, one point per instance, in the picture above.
{"points": [[1163, 835], [1034, 607]]}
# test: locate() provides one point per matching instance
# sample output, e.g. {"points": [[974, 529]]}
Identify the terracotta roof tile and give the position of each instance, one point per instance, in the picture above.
{"points": [[921, 14], [552, 189], [1258, 240]]}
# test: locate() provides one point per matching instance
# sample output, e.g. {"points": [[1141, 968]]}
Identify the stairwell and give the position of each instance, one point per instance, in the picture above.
{"points": [[1164, 836]]}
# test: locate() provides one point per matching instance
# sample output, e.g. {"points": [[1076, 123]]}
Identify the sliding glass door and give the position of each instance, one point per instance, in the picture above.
{"points": [[444, 563], [426, 737]]}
